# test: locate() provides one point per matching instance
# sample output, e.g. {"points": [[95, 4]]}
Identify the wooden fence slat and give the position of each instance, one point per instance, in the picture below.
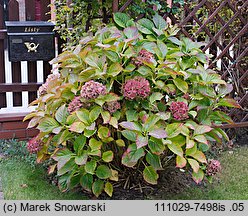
{"points": [[13, 8], [224, 27], [17, 87], [45, 9], [2, 62], [32, 77]]}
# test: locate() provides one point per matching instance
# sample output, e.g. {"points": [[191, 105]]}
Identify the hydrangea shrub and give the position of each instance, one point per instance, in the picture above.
{"points": [[130, 97]]}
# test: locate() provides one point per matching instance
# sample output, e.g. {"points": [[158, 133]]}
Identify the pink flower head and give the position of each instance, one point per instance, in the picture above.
{"points": [[143, 55], [179, 110], [34, 145], [112, 106], [75, 104], [43, 88], [213, 167], [138, 87], [92, 89]]}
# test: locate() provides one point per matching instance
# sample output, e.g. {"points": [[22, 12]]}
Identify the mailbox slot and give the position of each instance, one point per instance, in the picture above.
{"points": [[30, 41]]}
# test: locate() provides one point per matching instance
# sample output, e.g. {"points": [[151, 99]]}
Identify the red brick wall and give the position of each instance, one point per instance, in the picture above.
{"points": [[12, 126]]}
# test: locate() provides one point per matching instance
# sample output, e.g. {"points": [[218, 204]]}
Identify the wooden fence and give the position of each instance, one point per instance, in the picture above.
{"points": [[19, 81]]}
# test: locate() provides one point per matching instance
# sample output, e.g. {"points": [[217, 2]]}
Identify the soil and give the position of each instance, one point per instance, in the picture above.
{"points": [[172, 180]]}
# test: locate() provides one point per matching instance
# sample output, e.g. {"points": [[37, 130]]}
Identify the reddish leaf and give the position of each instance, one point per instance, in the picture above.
{"points": [[201, 129], [180, 162], [141, 141], [199, 156], [158, 133], [228, 102], [198, 177]]}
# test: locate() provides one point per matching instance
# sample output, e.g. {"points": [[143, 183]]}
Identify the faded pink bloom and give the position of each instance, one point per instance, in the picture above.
{"points": [[143, 55], [92, 89], [43, 88], [213, 167], [34, 145], [138, 87], [112, 106], [75, 104], [179, 110]]}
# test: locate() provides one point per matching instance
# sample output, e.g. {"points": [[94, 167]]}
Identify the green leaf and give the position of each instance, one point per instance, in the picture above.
{"points": [[162, 49], [176, 149], [201, 139], [79, 144], [106, 117], [144, 70], [228, 102], [198, 177], [156, 96], [47, 124], [193, 113], [150, 122], [86, 182], [108, 188], [156, 147], [201, 129], [180, 162], [65, 135], [114, 122], [194, 164], [77, 127], [181, 85], [179, 140], [92, 60], [114, 69], [121, 19], [108, 156], [103, 133], [189, 143], [113, 56], [159, 22], [130, 135], [82, 159], [132, 155], [120, 142], [95, 144], [98, 187], [150, 175], [94, 113], [103, 172], [62, 114], [173, 129], [132, 115], [145, 26], [83, 115], [90, 167], [154, 161], [65, 167]]}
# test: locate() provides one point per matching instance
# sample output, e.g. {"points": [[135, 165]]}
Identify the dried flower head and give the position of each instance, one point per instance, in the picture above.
{"points": [[112, 106], [75, 104], [43, 88], [143, 55], [92, 89], [138, 87], [34, 145], [213, 167], [179, 110]]}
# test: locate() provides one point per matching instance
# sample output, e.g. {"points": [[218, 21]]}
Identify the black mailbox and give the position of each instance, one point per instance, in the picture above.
{"points": [[30, 40]]}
